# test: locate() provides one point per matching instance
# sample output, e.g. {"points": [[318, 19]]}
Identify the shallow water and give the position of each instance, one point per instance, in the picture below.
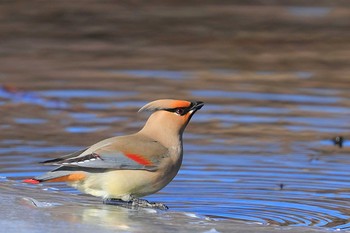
{"points": [[252, 156], [259, 156]]}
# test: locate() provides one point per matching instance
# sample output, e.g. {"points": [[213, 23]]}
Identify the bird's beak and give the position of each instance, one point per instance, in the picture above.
{"points": [[196, 105]]}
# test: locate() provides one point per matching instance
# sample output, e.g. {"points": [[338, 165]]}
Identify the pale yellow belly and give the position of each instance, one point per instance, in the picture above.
{"points": [[123, 183]]}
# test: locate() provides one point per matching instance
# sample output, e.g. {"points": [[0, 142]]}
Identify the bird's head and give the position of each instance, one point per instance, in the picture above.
{"points": [[169, 117]]}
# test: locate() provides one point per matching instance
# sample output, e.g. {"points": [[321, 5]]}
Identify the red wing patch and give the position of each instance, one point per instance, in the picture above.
{"points": [[31, 181], [139, 159]]}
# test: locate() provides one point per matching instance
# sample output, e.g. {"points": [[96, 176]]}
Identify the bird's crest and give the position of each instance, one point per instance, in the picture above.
{"points": [[164, 104]]}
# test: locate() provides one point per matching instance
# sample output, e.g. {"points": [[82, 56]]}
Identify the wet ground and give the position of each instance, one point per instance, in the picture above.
{"points": [[259, 156]]}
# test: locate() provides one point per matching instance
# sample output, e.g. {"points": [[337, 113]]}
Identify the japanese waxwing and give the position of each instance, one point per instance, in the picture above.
{"points": [[124, 168]]}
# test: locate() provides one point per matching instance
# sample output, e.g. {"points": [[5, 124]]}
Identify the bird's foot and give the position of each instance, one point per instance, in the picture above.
{"points": [[146, 204], [135, 203]]}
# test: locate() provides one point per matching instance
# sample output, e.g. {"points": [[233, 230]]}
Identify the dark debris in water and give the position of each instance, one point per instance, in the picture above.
{"points": [[338, 141], [281, 186]]}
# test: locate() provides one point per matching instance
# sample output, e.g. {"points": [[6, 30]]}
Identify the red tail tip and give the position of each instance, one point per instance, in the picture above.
{"points": [[31, 181]]}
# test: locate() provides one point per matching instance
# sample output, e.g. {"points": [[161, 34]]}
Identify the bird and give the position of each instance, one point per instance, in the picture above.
{"points": [[122, 169]]}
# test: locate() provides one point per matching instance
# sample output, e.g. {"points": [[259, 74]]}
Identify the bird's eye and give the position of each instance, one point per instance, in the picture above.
{"points": [[180, 111]]}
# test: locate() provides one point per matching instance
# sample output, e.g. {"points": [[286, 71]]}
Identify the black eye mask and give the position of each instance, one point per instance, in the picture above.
{"points": [[179, 111]]}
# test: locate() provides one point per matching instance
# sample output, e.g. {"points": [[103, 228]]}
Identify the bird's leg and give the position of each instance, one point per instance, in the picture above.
{"points": [[114, 201], [134, 203], [146, 204]]}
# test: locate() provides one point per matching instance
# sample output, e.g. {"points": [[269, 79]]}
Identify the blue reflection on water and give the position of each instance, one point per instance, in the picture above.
{"points": [[31, 98], [30, 121], [246, 109], [326, 109], [79, 93], [93, 118], [85, 129], [236, 118], [37, 149], [299, 128], [109, 105], [170, 74], [266, 96]]}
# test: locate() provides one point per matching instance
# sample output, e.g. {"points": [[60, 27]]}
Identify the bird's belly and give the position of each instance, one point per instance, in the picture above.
{"points": [[123, 183]]}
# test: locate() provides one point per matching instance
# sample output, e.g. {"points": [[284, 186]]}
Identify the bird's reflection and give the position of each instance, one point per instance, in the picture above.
{"points": [[106, 216]]}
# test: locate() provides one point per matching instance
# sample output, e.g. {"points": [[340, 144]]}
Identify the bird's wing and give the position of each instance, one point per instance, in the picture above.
{"points": [[128, 153], [65, 157]]}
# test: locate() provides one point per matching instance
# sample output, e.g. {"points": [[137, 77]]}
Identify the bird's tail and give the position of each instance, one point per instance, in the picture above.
{"points": [[57, 176]]}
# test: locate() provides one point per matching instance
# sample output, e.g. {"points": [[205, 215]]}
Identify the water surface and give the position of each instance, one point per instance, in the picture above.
{"points": [[250, 156]]}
